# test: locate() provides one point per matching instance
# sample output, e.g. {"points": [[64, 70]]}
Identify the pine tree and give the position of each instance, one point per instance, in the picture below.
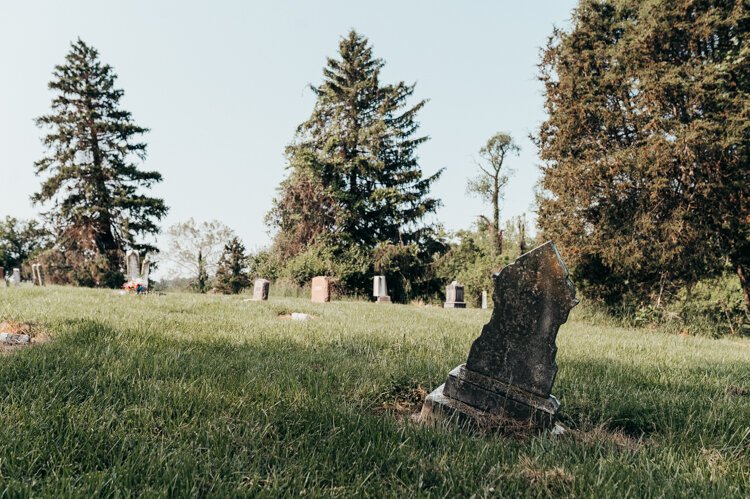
{"points": [[92, 181], [647, 143], [231, 274], [358, 149], [201, 283]]}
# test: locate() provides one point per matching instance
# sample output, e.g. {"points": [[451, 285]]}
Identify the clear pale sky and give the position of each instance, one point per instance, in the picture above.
{"points": [[222, 85]]}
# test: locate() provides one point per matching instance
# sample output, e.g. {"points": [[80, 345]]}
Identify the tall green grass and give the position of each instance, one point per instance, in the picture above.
{"points": [[211, 395]]}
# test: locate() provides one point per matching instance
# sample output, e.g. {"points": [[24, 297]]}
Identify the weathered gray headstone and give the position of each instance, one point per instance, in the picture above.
{"points": [[133, 261], [380, 290], [511, 366], [454, 296], [484, 299], [16, 277], [260, 289]]}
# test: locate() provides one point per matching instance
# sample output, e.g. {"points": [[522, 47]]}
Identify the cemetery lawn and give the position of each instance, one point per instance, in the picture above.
{"points": [[207, 395]]}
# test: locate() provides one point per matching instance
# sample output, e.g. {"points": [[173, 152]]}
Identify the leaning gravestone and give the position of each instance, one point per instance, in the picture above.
{"points": [[260, 289], [321, 289], [36, 272], [380, 290], [454, 296], [511, 366]]}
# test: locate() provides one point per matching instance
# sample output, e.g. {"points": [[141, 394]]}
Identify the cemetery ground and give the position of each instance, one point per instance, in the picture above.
{"points": [[187, 394]]}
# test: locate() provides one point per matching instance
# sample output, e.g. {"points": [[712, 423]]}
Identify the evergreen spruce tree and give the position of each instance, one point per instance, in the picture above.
{"points": [[355, 181], [231, 274], [92, 180], [646, 145]]}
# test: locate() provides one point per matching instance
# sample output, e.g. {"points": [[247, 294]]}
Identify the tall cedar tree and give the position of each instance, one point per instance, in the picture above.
{"points": [[355, 177], [95, 187], [231, 274], [647, 144]]}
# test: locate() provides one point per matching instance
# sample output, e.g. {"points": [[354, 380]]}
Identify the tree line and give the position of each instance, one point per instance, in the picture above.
{"points": [[643, 180]]}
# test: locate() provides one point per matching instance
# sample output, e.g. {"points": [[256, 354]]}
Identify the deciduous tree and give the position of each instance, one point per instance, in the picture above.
{"points": [[491, 180]]}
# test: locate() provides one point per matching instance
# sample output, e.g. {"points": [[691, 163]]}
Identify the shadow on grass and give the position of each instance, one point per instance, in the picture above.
{"points": [[101, 410]]}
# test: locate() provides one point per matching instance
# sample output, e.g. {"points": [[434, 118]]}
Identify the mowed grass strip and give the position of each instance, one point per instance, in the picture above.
{"points": [[211, 395]]}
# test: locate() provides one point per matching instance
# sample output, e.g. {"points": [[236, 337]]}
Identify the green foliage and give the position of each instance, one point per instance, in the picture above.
{"points": [[646, 145], [92, 185], [189, 239], [203, 395], [471, 260], [491, 180], [21, 240], [355, 181], [201, 282], [264, 265], [231, 272]]}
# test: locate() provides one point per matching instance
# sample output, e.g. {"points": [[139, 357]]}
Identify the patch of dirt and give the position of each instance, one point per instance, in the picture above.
{"points": [[404, 402], [602, 434], [37, 334], [536, 474], [738, 391]]}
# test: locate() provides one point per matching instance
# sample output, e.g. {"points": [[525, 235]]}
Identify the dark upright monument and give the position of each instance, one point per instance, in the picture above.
{"points": [[511, 366]]}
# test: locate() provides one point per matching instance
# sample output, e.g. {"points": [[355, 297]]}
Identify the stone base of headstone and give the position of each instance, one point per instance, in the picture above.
{"points": [[454, 304], [383, 299], [471, 398], [14, 339]]}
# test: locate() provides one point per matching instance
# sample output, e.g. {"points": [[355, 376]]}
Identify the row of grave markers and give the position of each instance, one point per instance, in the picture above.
{"points": [[15, 277], [321, 291]]}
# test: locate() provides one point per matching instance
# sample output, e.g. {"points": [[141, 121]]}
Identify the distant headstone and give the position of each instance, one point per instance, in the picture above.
{"points": [[454, 296], [16, 277], [260, 289], [145, 271], [380, 290], [133, 263], [36, 274], [484, 299], [321, 289], [511, 366], [2, 274]]}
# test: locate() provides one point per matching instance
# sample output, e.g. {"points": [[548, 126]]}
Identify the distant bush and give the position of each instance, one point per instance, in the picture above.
{"points": [[712, 307]]}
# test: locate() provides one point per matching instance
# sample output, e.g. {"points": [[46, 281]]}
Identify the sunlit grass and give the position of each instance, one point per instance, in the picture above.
{"points": [[212, 395]]}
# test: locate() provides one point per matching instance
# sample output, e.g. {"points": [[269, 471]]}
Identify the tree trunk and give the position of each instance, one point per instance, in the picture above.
{"points": [[496, 237], [743, 272]]}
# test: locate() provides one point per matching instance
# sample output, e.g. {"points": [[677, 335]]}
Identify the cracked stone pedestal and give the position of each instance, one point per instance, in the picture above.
{"points": [[508, 376]]}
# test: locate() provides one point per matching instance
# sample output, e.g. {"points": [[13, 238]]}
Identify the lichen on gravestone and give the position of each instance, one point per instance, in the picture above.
{"points": [[511, 366]]}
